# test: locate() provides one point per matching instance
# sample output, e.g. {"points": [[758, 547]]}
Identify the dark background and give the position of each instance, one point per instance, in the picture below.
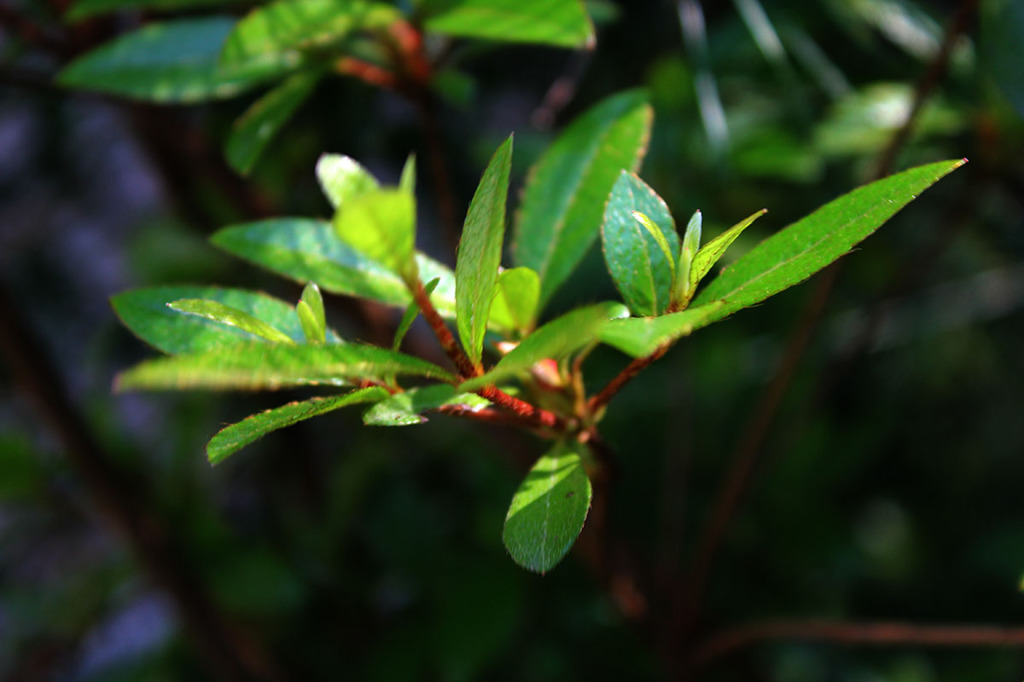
{"points": [[885, 488]]}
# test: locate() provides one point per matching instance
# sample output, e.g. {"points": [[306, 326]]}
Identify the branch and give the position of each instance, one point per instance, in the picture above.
{"points": [[230, 653], [865, 634], [622, 378], [451, 348]]}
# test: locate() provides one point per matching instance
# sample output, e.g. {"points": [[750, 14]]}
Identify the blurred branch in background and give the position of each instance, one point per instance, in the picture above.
{"points": [[230, 653]]}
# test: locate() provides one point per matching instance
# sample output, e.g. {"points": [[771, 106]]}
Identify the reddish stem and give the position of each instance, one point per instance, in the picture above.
{"points": [[623, 378], [463, 364], [367, 72], [536, 416]]}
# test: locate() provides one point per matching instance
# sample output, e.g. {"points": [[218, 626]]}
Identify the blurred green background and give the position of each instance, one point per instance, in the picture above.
{"points": [[887, 487]]}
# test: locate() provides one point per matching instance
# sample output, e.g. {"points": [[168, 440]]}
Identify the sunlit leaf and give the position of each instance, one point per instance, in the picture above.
{"points": [[232, 438], [308, 250], [283, 28], [342, 178], [515, 300], [555, 340], [551, 22], [266, 366], [707, 256], [381, 225], [479, 255], [233, 317], [549, 509], [145, 313]]}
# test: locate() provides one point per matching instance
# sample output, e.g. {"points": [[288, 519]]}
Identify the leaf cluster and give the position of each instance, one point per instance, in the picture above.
{"points": [[510, 362]]}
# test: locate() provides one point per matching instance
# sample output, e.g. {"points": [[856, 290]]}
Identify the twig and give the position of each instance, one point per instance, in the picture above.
{"points": [[561, 91], [760, 423], [531, 414], [602, 398], [866, 634], [230, 654], [463, 364]]}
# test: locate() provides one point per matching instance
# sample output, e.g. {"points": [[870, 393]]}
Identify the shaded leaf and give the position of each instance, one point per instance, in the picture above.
{"points": [[308, 250], [639, 267], [171, 61], [145, 313], [342, 178], [232, 438], [550, 22], [405, 409], [251, 133], [381, 225], [266, 366], [87, 8], [557, 339], [233, 317], [563, 200], [549, 509], [282, 28], [515, 300], [479, 254]]}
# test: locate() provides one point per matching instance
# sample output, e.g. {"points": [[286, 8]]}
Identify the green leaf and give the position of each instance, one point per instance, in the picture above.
{"points": [[479, 256], [659, 237], [281, 29], [405, 409], [641, 269], [783, 260], [311, 297], [88, 8], [171, 61], [233, 317], [410, 315], [342, 178], [145, 313], [640, 336], [381, 225], [308, 250], [407, 181], [549, 509], [706, 257], [557, 339], [805, 247], [563, 23], [563, 200], [515, 300], [232, 438], [685, 284], [311, 314], [254, 366], [258, 125]]}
